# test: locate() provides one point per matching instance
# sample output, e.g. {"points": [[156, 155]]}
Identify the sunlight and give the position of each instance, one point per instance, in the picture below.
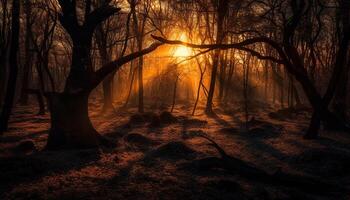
{"points": [[182, 51]]}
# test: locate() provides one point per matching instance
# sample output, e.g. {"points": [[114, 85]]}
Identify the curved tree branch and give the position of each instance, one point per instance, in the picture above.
{"points": [[240, 46], [105, 70]]}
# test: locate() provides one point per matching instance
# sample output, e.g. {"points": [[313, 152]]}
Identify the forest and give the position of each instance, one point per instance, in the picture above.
{"points": [[175, 99]]}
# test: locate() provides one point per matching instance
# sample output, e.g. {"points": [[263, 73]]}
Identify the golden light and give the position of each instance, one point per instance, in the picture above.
{"points": [[182, 51]]}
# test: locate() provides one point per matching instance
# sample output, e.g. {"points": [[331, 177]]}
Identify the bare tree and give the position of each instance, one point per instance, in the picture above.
{"points": [[11, 85], [70, 123]]}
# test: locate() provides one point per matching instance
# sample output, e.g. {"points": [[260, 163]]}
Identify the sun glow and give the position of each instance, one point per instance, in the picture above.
{"points": [[182, 51]]}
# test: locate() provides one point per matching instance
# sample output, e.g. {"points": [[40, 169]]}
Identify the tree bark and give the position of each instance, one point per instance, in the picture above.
{"points": [[222, 9], [174, 93], [107, 94], [340, 104], [28, 55], [11, 85], [70, 123]]}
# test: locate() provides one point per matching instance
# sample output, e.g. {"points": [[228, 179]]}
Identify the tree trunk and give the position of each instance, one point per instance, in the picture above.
{"points": [[140, 82], [41, 86], [296, 95], [209, 106], [222, 77], [174, 94], [107, 94], [11, 85], [41, 103], [131, 85], [101, 40], [266, 80], [3, 77], [314, 126], [340, 106], [246, 92], [229, 80], [222, 8], [70, 123], [199, 86], [139, 29], [28, 55]]}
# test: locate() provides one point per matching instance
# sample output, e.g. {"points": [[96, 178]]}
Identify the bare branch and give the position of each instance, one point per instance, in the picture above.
{"points": [[239, 46], [105, 70]]}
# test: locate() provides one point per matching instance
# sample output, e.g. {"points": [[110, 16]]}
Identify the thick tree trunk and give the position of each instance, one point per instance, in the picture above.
{"points": [[11, 85], [70, 123], [314, 126], [3, 77], [321, 112]]}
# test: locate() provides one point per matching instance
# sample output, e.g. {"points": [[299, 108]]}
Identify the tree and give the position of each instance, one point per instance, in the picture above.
{"points": [[343, 24], [11, 85], [222, 9], [70, 123], [4, 43], [42, 43], [28, 54]]}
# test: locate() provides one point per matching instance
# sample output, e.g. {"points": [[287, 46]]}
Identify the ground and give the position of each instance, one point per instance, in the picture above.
{"points": [[154, 156]]}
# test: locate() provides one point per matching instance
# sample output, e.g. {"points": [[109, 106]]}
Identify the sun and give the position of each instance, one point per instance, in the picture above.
{"points": [[182, 51]]}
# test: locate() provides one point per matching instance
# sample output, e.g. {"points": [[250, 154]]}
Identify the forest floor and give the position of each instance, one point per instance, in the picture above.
{"points": [[154, 157]]}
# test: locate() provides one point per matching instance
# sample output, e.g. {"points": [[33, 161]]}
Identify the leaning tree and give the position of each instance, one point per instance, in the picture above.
{"points": [[70, 123]]}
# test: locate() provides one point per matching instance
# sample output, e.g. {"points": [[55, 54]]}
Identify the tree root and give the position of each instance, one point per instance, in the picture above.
{"points": [[236, 166]]}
